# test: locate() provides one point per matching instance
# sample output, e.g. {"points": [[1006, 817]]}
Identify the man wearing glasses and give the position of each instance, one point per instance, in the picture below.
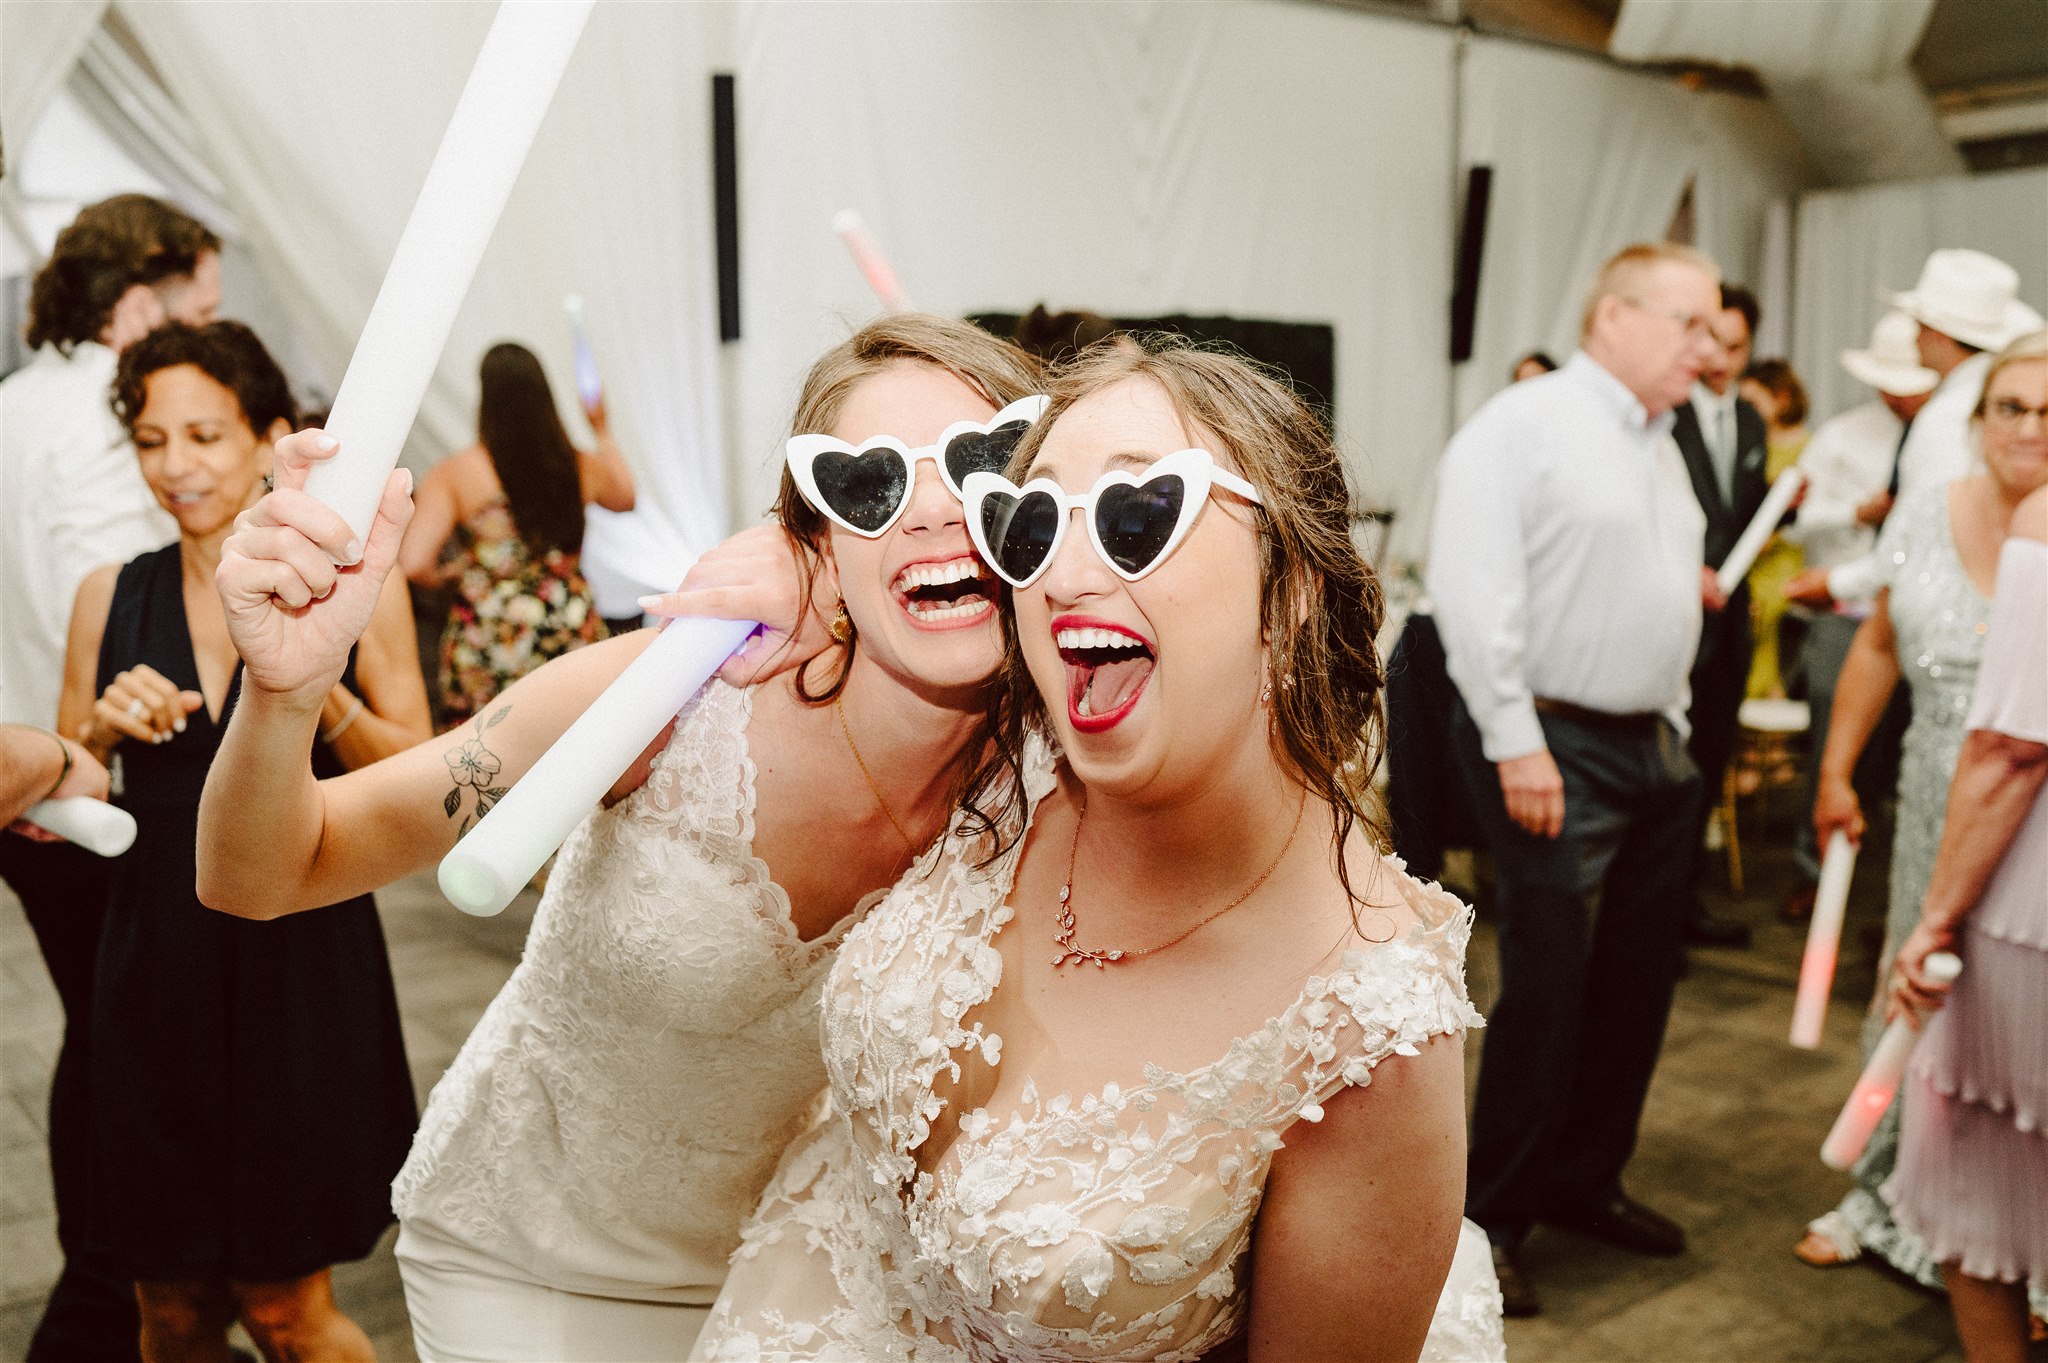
{"points": [[1567, 572], [1722, 438]]}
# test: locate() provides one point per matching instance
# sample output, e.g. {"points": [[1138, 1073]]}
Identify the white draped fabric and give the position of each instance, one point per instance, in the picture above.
{"points": [[1263, 159], [39, 42], [1808, 39], [1131, 159], [1855, 246]]}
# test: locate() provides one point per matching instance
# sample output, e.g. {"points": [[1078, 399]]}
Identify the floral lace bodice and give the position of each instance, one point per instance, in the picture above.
{"points": [[1113, 1224], [622, 1102]]}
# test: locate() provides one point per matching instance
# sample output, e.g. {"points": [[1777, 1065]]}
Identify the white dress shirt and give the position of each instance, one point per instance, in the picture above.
{"points": [[1716, 415], [71, 499], [1847, 462], [1565, 557], [1938, 450]]}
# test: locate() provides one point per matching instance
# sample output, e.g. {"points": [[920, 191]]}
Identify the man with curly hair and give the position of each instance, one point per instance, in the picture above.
{"points": [[72, 498]]}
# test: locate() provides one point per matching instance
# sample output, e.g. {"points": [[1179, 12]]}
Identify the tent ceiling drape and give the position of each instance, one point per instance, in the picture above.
{"points": [[1265, 159]]}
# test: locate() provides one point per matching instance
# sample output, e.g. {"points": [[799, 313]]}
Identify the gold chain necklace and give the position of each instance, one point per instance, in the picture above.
{"points": [[839, 705], [1063, 933]]}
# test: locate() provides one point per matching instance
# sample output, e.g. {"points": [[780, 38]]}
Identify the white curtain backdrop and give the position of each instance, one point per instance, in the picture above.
{"points": [[324, 156], [1586, 159], [1855, 246], [1159, 158], [39, 41], [1806, 39]]}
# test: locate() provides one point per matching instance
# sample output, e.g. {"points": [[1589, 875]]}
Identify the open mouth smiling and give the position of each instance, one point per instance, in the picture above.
{"points": [[945, 595], [1107, 669]]}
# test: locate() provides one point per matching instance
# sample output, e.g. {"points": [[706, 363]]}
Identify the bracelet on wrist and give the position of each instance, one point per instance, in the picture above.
{"points": [[355, 711], [63, 773]]}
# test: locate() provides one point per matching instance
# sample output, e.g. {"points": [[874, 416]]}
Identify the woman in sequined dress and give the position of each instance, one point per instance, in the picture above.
{"points": [[1940, 552]]}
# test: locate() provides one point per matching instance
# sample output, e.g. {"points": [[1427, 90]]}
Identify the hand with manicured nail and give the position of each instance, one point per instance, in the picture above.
{"points": [[140, 704], [755, 575], [298, 587]]}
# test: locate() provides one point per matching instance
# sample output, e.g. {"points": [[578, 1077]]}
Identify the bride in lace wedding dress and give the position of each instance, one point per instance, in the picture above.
{"points": [[1167, 1065], [581, 1171]]}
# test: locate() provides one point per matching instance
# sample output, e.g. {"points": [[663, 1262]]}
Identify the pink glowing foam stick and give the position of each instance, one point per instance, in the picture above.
{"points": [[1823, 939], [1879, 1082], [868, 257]]}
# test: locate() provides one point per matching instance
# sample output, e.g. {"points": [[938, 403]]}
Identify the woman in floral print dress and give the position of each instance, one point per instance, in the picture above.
{"points": [[502, 523]]}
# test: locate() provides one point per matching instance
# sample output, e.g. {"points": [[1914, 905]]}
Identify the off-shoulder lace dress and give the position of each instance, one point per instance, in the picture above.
{"points": [[619, 1108], [1115, 1224]]}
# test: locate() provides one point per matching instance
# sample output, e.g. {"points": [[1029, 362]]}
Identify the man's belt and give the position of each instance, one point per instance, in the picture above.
{"points": [[1642, 721]]}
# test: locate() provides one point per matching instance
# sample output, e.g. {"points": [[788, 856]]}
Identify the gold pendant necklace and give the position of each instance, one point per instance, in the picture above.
{"points": [[839, 704], [1063, 933]]}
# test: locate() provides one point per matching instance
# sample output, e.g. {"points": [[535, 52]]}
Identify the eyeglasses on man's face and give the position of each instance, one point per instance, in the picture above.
{"points": [[2009, 414], [1695, 326]]}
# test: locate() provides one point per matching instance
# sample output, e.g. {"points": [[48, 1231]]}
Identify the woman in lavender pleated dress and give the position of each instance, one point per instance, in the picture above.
{"points": [[1972, 1174]]}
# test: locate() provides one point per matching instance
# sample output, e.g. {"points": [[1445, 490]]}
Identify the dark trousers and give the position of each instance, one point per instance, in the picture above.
{"points": [[91, 1315], [1877, 770], [1720, 678], [1572, 1041]]}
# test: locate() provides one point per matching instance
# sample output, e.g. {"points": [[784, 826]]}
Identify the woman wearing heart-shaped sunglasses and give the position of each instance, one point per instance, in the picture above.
{"points": [[582, 1169], [1169, 1064]]}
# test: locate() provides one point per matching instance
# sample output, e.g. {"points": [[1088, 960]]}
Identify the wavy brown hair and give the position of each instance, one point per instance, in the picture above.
{"points": [[1320, 603], [991, 366], [521, 431], [110, 247]]}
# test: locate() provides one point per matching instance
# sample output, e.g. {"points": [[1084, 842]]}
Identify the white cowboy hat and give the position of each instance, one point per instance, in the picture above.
{"points": [[1892, 362], [1971, 297]]}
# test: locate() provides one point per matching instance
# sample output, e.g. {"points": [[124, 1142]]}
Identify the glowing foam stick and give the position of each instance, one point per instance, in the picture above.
{"points": [[1823, 938], [868, 257], [94, 825], [1776, 503], [1880, 1078], [515, 75], [496, 858], [589, 386]]}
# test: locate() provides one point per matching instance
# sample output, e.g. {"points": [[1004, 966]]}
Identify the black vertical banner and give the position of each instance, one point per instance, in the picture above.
{"points": [[725, 191]]}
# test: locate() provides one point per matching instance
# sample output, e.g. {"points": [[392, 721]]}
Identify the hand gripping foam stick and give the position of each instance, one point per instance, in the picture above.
{"points": [[589, 386], [1743, 556], [1823, 939], [868, 257], [496, 858], [95, 825], [1879, 1081], [515, 75]]}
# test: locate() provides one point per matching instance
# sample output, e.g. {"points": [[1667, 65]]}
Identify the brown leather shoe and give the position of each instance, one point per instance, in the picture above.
{"points": [[1517, 1298], [1622, 1221]]}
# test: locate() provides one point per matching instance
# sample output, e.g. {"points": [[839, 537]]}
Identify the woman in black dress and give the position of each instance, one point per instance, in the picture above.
{"points": [[251, 1100]]}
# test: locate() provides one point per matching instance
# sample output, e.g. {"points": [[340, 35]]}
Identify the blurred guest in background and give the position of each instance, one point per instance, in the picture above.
{"points": [[1530, 365], [1722, 438], [1565, 564], [1851, 468], [502, 521], [1779, 397], [250, 1095], [71, 498], [1972, 1173], [1941, 546]]}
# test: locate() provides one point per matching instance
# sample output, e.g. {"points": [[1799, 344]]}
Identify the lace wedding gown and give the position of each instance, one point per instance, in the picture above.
{"points": [[622, 1102], [1114, 1224]]}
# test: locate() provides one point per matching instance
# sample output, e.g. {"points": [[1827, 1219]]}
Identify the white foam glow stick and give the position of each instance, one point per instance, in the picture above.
{"points": [[496, 858], [589, 386], [1823, 940], [868, 257], [515, 75], [1754, 536], [1879, 1081], [94, 825]]}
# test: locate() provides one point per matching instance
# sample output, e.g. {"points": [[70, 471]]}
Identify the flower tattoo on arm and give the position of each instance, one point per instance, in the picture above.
{"points": [[475, 768]]}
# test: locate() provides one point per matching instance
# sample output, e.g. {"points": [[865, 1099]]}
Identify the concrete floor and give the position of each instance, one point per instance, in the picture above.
{"points": [[1728, 1148]]}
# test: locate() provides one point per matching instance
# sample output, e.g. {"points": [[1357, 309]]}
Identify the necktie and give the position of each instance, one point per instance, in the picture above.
{"points": [[1892, 488], [1724, 453]]}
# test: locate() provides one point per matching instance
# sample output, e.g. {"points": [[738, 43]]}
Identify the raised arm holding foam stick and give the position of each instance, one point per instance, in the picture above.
{"points": [[663, 1014], [1823, 941], [589, 384], [868, 256]]}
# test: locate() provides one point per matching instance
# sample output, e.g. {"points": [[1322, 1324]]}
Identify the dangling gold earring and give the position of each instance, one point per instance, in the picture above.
{"points": [[1266, 694], [841, 627]]}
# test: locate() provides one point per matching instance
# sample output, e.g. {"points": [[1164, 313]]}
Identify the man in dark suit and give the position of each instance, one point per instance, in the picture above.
{"points": [[1722, 439]]}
